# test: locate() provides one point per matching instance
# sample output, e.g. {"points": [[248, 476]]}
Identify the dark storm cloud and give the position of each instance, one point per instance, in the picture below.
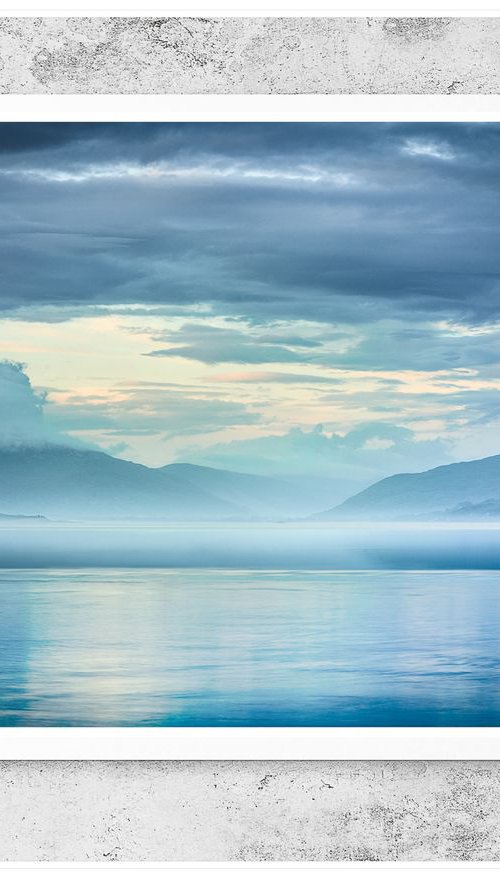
{"points": [[334, 222]]}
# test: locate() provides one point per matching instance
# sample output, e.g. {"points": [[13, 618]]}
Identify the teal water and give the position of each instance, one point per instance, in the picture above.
{"points": [[174, 647]]}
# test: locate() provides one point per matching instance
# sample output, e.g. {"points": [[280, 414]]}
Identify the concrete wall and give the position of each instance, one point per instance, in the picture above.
{"points": [[255, 55], [105, 811], [102, 811]]}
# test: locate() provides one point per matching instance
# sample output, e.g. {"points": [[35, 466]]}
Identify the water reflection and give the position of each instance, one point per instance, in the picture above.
{"points": [[212, 647]]}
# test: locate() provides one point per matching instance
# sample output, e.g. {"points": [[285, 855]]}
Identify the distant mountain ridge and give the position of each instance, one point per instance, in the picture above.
{"points": [[60, 482], [260, 495], [63, 483], [455, 491], [68, 483]]}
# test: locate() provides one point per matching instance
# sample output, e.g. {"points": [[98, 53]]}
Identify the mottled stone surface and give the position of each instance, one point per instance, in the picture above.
{"points": [[103, 811], [250, 55]]}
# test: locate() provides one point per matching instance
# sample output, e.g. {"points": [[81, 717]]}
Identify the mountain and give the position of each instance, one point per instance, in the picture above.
{"points": [[67, 483], [459, 490], [61, 482], [474, 511], [263, 496]]}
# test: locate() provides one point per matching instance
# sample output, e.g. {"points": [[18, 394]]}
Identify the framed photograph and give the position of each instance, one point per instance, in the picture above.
{"points": [[249, 427]]}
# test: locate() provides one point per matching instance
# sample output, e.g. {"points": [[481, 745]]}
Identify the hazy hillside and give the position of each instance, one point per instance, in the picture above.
{"points": [[72, 484], [265, 497], [473, 511], [462, 490], [60, 482], [65, 483]]}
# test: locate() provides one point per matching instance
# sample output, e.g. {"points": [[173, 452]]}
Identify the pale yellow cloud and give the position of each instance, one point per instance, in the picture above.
{"points": [[95, 365]]}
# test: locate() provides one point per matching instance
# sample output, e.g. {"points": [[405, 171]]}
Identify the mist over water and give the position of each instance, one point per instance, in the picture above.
{"points": [[299, 545]]}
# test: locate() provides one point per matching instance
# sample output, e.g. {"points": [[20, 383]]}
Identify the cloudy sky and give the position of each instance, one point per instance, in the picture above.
{"points": [[312, 298]]}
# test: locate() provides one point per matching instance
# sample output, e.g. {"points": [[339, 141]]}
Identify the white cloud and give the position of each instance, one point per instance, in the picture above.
{"points": [[364, 454], [158, 171], [429, 148], [450, 328], [377, 444], [21, 409]]}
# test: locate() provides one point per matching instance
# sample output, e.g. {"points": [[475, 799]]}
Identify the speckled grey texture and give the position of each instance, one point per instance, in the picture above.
{"points": [[250, 55], [103, 811]]}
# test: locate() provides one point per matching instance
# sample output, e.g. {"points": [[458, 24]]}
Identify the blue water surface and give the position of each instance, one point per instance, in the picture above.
{"points": [[206, 647]]}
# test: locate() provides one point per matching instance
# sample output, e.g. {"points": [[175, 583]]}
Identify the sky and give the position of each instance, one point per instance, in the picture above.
{"points": [[312, 298]]}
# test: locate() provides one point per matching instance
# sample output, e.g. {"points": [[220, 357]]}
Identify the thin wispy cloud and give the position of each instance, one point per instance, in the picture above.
{"points": [[162, 172], [429, 148]]}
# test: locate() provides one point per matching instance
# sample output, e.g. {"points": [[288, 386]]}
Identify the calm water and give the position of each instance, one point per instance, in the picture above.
{"points": [[211, 647]]}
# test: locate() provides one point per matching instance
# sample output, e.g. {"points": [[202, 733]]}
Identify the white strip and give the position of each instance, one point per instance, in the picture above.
{"points": [[278, 8], [247, 743], [249, 869], [251, 108], [194, 870]]}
